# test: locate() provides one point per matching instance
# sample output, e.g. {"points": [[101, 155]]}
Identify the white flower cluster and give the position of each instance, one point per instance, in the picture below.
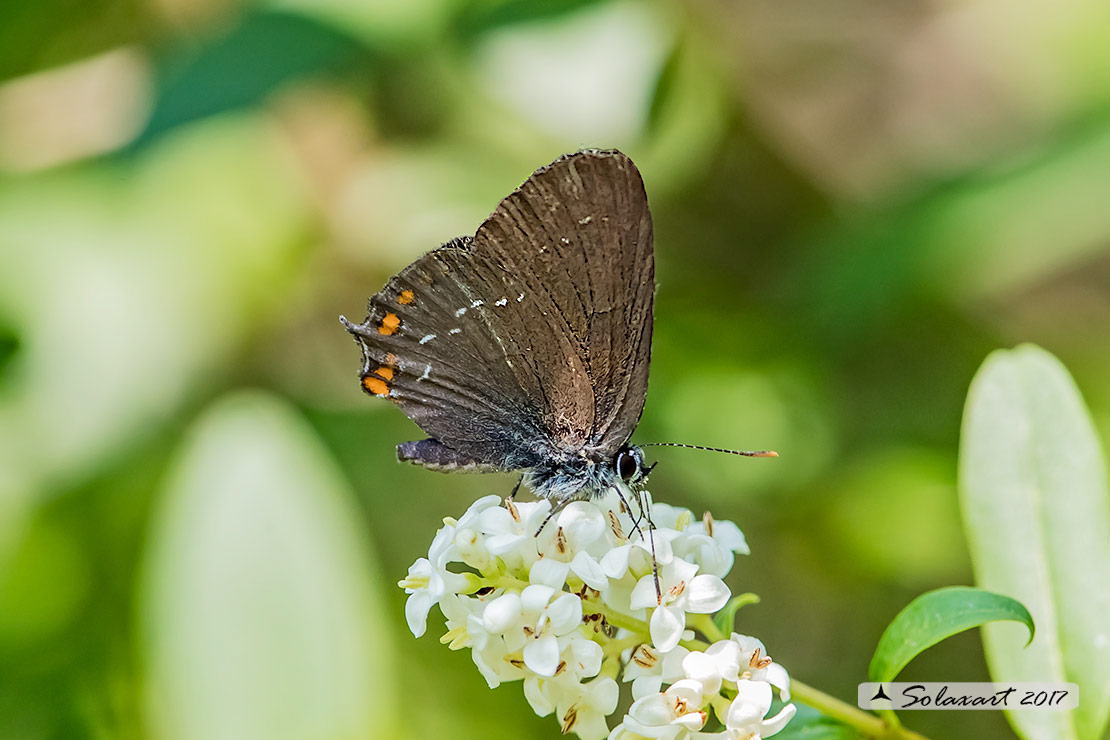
{"points": [[593, 599]]}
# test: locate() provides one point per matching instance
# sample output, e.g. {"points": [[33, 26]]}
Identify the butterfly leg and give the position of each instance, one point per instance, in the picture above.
{"points": [[512, 496], [645, 507], [635, 520], [554, 510]]}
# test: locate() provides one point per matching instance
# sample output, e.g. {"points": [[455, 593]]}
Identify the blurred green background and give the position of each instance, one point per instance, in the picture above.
{"points": [[201, 519]]}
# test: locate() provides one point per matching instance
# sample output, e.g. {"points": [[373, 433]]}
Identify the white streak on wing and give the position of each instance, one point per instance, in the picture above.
{"points": [[564, 240], [586, 220], [454, 331], [520, 298], [427, 371], [461, 311], [501, 302], [427, 338], [475, 304]]}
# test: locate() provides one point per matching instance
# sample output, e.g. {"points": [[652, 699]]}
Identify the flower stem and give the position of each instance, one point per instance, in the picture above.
{"points": [[868, 724], [703, 623], [615, 618]]}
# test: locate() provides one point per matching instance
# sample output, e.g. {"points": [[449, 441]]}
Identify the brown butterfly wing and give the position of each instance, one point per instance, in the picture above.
{"points": [[533, 338]]}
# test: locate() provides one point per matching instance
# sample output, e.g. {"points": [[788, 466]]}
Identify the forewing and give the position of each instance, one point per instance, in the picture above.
{"points": [[429, 346], [532, 339], [577, 235]]}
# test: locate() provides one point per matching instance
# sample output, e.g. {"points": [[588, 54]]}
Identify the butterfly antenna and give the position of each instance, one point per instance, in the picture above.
{"points": [[742, 453]]}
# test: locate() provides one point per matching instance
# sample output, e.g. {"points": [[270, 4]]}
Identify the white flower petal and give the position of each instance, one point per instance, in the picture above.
{"points": [[542, 655], [665, 516], [422, 568], [590, 726], [477, 631], [499, 544], [730, 537], [584, 657], [664, 554], [753, 699], [502, 614], [565, 614], [416, 611], [498, 520], [691, 721], [603, 695], [635, 730], [582, 524], [667, 623], [654, 710], [534, 598], [472, 515], [549, 572], [686, 689], [646, 686], [589, 570], [471, 548], [537, 697], [615, 562], [748, 645], [493, 678], [672, 664], [707, 553], [644, 595], [726, 653], [706, 594], [776, 723], [456, 608], [679, 570], [441, 545], [703, 668], [778, 677]]}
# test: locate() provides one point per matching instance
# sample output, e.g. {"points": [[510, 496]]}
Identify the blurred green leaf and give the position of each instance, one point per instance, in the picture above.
{"points": [[932, 617], [39, 35], [981, 234], [687, 116], [9, 348], [480, 17], [1037, 511], [259, 612], [237, 70], [725, 620], [810, 724], [909, 496]]}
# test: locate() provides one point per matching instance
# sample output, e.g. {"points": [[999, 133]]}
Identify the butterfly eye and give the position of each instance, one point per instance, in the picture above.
{"points": [[628, 467]]}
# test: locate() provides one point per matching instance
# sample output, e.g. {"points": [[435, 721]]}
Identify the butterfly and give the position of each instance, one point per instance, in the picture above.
{"points": [[526, 347]]}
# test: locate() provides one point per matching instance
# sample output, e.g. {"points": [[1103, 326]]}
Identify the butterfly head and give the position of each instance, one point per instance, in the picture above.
{"points": [[629, 465]]}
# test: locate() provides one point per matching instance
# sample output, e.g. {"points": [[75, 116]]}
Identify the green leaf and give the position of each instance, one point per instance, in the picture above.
{"points": [[478, 18], [932, 617], [265, 51], [261, 614], [1037, 511], [810, 724], [725, 619]]}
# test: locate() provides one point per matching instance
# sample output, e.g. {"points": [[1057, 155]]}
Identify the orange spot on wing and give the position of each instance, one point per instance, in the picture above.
{"points": [[377, 386], [406, 297], [389, 324], [376, 382]]}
